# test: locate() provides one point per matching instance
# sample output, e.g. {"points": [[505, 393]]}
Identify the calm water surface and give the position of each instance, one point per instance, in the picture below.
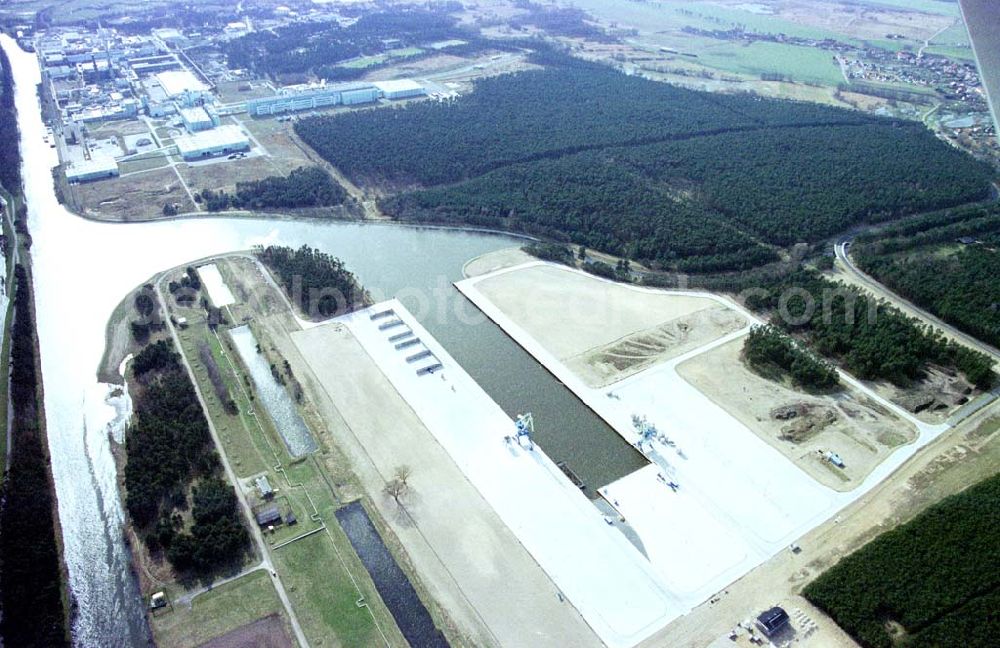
{"points": [[82, 269]]}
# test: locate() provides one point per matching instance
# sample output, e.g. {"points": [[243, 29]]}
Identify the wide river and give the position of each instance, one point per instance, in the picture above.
{"points": [[82, 269]]}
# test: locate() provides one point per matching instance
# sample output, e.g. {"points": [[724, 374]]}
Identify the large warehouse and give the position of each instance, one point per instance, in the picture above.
{"points": [[210, 143], [196, 119], [347, 94], [96, 168], [400, 89]]}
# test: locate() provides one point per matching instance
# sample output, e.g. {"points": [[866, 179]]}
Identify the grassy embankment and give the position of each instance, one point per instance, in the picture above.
{"points": [[324, 577]]}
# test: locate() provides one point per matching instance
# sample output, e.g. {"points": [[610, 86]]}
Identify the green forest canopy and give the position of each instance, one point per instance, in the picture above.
{"points": [[938, 576], [870, 339], [925, 262], [170, 451], [684, 179], [318, 284]]}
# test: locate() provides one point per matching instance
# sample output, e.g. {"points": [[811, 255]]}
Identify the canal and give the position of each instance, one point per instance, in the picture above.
{"points": [[82, 269]]}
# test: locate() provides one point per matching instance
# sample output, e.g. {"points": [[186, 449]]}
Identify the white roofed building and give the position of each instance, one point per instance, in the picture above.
{"points": [[96, 168], [400, 88], [196, 119], [210, 143]]}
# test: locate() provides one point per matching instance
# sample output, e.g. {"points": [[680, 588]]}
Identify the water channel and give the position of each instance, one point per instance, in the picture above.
{"points": [[82, 269], [275, 399], [393, 586]]}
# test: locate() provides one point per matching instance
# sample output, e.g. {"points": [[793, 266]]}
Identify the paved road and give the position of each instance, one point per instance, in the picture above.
{"points": [[247, 511], [841, 248]]}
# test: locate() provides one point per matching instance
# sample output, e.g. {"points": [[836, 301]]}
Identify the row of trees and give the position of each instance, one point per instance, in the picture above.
{"points": [[773, 354], [936, 576], [169, 450], [319, 285], [10, 157], [303, 187], [871, 339], [33, 611]]}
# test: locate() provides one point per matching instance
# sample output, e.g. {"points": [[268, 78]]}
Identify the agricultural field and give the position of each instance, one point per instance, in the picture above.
{"points": [[804, 64], [930, 582]]}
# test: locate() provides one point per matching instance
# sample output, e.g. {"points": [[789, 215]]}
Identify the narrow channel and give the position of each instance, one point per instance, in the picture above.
{"points": [[274, 398]]}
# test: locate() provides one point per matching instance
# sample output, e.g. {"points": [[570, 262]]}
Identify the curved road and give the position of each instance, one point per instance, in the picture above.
{"points": [[840, 248]]}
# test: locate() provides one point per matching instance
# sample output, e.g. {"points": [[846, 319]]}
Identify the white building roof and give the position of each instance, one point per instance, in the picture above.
{"points": [[96, 164], [195, 115], [227, 136], [398, 85], [176, 82]]}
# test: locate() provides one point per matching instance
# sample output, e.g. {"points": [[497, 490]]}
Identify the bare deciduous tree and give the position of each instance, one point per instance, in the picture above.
{"points": [[397, 486]]}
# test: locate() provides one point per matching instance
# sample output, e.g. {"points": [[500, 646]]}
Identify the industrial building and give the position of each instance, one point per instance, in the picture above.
{"points": [[400, 89], [347, 94], [178, 82], [772, 621], [144, 65], [210, 143], [358, 96], [96, 168], [198, 119]]}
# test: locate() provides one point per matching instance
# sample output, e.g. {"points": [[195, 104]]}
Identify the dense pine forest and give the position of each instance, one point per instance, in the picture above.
{"points": [[871, 339], [677, 178], [318, 284], [33, 610], [303, 187], [937, 576], [773, 354], [170, 451], [947, 263], [10, 158]]}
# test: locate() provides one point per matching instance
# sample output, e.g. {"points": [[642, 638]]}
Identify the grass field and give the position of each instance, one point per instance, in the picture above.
{"points": [[803, 64], [248, 453], [323, 595], [378, 59], [143, 164], [135, 197], [943, 7], [218, 611]]}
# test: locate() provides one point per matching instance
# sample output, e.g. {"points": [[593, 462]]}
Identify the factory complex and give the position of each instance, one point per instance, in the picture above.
{"points": [[167, 109], [322, 96]]}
